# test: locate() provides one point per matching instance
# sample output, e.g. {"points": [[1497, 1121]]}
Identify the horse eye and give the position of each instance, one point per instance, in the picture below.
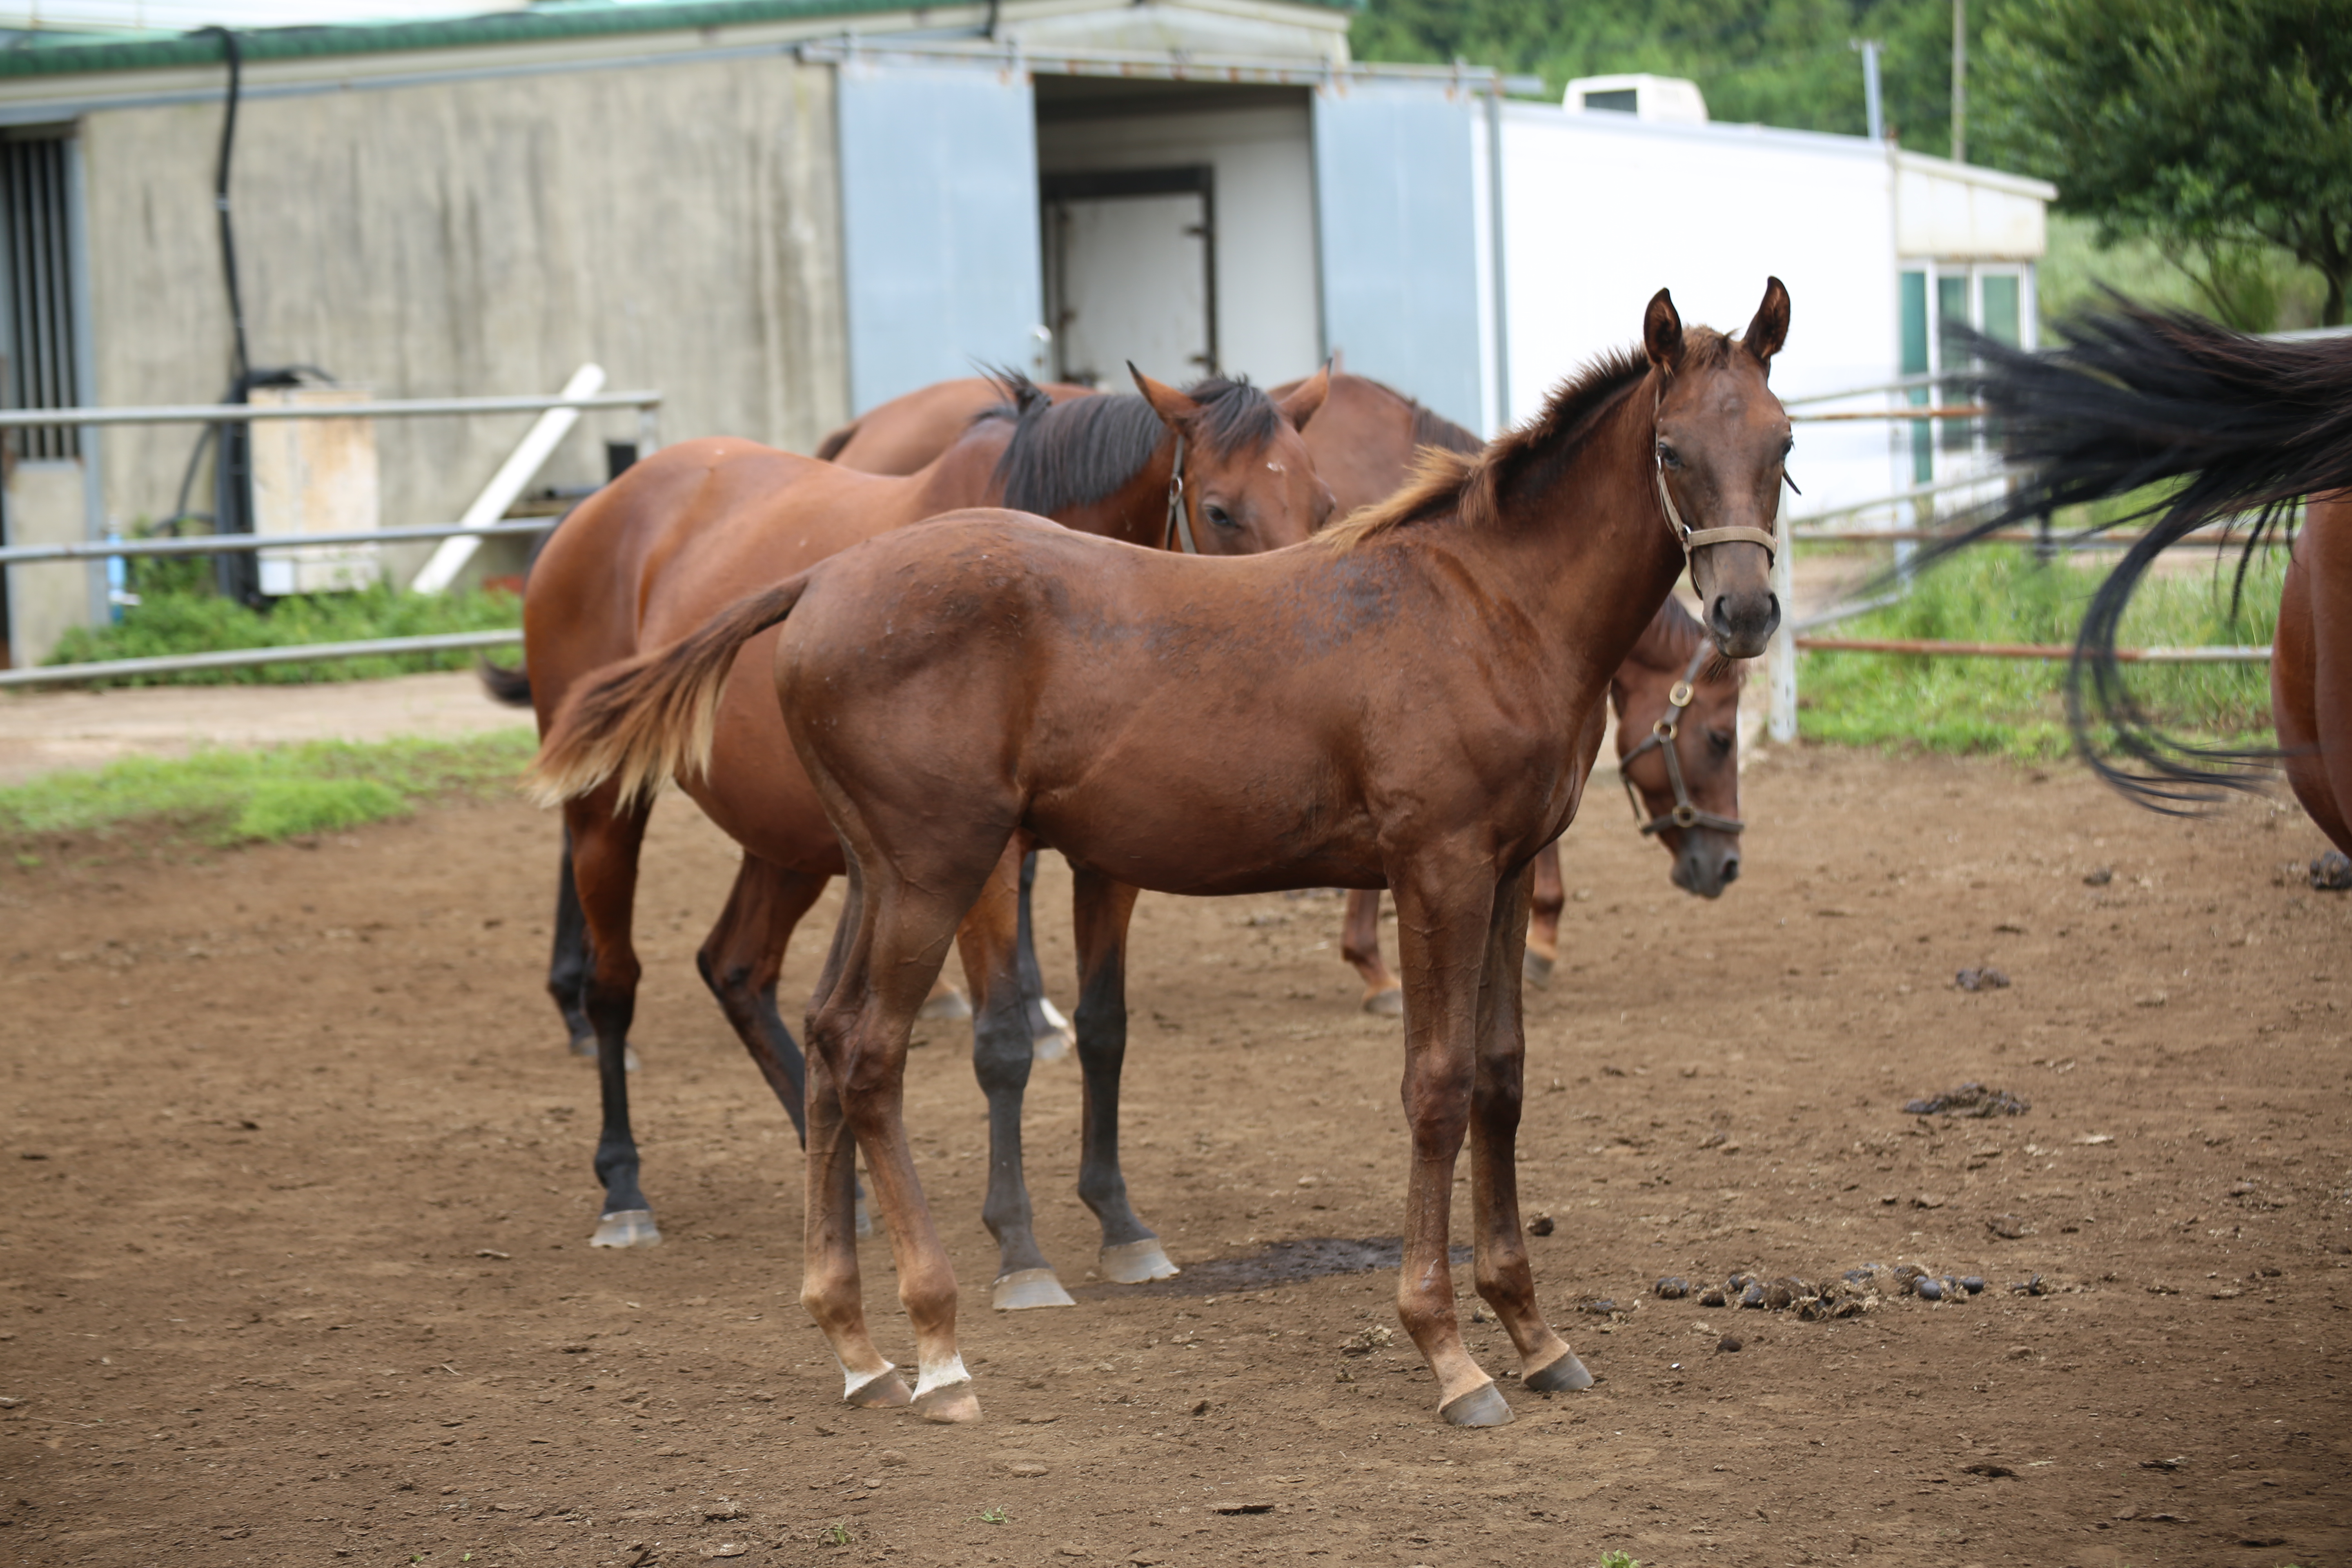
{"points": [[1721, 741], [1218, 515], [1669, 456], [1788, 446]]}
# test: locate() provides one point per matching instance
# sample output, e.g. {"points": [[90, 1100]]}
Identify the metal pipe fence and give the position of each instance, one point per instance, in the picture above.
{"points": [[233, 543], [248, 657]]}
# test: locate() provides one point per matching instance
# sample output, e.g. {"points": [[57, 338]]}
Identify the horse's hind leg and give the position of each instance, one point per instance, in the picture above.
{"points": [[1543, 926], [1132, 1253], [605, 843], [569, 964], [739, 960], [1501, 1268], [830, 1291], [1359, 944], [905, 921], [1049, 1032], [1001, 1056]]}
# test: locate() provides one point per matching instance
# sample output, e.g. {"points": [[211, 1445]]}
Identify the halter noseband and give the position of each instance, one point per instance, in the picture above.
{"points": [[1661, 736], [1179, 513]]}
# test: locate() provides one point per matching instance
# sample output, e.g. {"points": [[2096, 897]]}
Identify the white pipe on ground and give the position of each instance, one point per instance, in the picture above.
{"points": [[520, 467]]}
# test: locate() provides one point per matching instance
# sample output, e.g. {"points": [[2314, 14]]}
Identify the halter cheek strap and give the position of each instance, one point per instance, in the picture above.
{"points": [[1180, 514], [1662, 735], [1689, 538]]}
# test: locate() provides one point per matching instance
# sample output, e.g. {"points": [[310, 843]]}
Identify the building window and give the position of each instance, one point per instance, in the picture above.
{"points": [[37, 336], [1934, 298]]}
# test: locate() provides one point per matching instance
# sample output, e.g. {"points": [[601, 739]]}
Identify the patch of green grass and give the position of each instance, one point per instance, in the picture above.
{"points": [[2014, 708], [183, 618], [1618, 1560], [274, 793]]}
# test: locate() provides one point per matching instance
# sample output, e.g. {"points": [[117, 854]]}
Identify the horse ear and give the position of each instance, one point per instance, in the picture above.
{"points": [[1301, 404], [1661, 331], [1770, 330], [1171, 405]]}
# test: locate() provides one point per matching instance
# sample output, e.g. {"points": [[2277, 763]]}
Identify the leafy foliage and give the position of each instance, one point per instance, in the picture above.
{"points": [[182, 618], [1775, 62], [2223, 128]]}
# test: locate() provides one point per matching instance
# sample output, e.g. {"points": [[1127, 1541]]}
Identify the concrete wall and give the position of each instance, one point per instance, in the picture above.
{"points": [[676, 223], [1601, 211], [1266, 288], [46, 504]]}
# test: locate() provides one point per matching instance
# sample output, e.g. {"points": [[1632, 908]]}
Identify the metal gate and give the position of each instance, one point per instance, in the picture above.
{"points": [[1397, 220], [939, 212]]}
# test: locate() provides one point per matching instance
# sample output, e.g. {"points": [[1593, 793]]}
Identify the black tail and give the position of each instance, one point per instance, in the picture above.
{"points": [[2236, 426], [511, 687]]}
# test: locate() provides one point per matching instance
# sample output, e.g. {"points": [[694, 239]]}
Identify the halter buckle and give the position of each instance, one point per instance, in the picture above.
{"points": [[1680, 696]]}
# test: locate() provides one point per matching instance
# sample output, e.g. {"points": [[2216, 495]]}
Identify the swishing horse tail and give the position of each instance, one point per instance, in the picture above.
{"points": [[2230, 425], [650, 718], [511, 687]]}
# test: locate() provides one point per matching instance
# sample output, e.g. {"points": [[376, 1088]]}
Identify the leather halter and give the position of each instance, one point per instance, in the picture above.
{"points": [[1179, 513], [1661, 736], [1689, 538]]}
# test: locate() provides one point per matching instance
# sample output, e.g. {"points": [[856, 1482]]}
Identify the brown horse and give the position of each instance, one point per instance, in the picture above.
{"points": [[2138, 396], [655, 552], [907, 434], [1363, 443], [1677, 707], [1406, 702]]}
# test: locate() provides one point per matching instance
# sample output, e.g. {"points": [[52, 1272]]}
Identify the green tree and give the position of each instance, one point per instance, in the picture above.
{"points": [[1774, 62], [2220, 128]]}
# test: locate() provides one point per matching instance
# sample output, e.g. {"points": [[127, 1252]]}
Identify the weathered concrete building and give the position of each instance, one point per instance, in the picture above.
{"points": [[781, 212]]}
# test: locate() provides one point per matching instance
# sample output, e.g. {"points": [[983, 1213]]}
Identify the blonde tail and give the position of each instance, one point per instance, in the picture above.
{"points": [[650, 718]]}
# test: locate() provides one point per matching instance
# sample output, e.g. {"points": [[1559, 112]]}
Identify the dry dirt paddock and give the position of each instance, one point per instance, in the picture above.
{"points": [[298, 1188]]}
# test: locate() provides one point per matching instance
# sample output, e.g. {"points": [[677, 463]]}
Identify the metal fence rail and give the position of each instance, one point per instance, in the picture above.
{"points": [[385, 408], [231, 544], [246, 657]]}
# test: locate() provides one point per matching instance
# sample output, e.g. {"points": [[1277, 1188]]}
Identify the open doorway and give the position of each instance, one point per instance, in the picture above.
{"points": [[1130, 273]]}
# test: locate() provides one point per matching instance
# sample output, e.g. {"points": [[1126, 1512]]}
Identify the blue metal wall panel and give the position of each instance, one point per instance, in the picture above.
{"points": [[939, 232], [1396, 216]]}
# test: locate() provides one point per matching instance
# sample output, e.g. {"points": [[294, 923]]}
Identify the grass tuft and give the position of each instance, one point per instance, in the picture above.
{"points": [[2014, 708], [267, 794]]}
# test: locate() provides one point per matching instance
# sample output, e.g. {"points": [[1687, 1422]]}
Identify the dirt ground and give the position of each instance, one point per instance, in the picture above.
{"points": [[294, 1262]]}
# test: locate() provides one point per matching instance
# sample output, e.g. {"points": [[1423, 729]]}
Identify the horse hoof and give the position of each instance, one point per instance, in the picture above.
{"points": [[1565, 1375], [627, 1227], [1135, 1262], [1388, 1004], [1482, 1407], [1025, 1288], [886, 1390], [864, 1220], [947, 1006], [1536, 968], [948, 1404], [1052, 1046]]}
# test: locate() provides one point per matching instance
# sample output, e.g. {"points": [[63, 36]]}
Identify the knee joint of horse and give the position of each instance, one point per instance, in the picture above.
{"points": [[1101, 1184]]}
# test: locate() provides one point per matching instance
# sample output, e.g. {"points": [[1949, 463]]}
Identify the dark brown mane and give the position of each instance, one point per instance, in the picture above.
{"points": [[1471, 485]]}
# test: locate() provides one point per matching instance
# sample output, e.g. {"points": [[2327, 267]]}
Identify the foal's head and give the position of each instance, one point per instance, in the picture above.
{"points": [[1722, 439], [1705, 740], [1249, 482]]}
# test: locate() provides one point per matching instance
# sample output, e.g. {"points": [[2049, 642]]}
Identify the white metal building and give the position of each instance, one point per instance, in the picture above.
{"points": [[780, 212]]}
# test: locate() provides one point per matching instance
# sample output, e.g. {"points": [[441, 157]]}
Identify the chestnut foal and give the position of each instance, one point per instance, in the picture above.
{"points": [[1409, 700]]}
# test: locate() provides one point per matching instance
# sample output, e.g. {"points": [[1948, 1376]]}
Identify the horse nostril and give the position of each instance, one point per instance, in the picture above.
{"points": [[1731, 867]]}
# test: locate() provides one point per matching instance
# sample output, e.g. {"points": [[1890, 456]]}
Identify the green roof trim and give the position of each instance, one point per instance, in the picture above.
{"points": [[532, 27]]}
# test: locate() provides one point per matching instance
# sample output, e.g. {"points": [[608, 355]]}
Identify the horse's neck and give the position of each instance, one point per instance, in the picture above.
{"points": [[1585, 551], [1136, 512], [965, 474], [1669, 640]]}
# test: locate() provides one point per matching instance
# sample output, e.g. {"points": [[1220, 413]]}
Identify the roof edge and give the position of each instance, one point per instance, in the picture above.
{"points": [[494, 27]]}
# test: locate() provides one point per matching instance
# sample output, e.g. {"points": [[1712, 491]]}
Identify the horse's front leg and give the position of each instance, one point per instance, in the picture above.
{"points": [[1359, 944], [1132, 1253], [1501, 1268], [1444, 920], [989, 940], [1543, 926]]}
